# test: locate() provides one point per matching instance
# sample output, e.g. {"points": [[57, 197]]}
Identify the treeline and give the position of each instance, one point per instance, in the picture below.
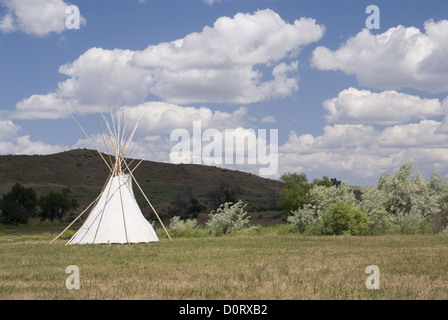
{"points": [[21, 203], [403, 202]]}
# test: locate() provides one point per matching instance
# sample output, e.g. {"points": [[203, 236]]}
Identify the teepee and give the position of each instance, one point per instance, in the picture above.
{"points": [[116, 216]]}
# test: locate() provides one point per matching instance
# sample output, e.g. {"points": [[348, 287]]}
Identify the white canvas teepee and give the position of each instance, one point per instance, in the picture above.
{"points": [[116, 216]]}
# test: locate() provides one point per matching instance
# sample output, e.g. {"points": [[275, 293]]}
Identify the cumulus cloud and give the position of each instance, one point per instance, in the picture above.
{"points": [[216, 65], [49, 106], [37, 18], [11, 143], [104, 77], [268, 119], [422, 134], [363, 151], [24, 145], [398, 58], [388, 107], [7, 129], [197, 68], [162, 117], [443, 128], [356, 147]]}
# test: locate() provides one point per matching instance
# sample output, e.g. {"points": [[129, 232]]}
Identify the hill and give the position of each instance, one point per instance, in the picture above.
{"points": [[167, 185]]}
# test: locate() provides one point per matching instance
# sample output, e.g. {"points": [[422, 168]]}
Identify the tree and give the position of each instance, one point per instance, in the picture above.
{"points": [[294, 194], [321, 197], [410, 201], [18, 205], [342, 218], [67, 194], [335, 182], [373, 203], [324, 182], [194, 207], [407, 191], [55, 205], [223, 194], [186, 204], [438, 187], [302, 218]]}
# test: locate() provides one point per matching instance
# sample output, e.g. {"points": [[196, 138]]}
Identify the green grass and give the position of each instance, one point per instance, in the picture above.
{"points": [[273, 264]]}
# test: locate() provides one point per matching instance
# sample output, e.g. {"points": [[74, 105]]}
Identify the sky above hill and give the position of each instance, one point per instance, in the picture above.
{"points": [[351, 90]]}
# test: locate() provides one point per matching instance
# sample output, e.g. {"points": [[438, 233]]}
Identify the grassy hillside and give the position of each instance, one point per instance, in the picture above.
{"points": [[84, 172]]}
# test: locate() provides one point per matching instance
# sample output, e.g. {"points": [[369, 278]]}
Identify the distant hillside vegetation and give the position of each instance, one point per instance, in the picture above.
{"points": [[165, 184]]}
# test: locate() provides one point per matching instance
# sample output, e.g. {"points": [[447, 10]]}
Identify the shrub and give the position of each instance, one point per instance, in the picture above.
{"points": [[321, 197], [68, 234], [302, 218], [373, 204], [342, 218], [227, 218], [182, 228], [411, 223]]}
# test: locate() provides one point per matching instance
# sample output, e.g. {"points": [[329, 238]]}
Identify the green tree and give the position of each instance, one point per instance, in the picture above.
{"points": [[18, 205], [343, 218], [321, 197], [335, 182], [438, 187], [294, 194], [224, 193], [323, 182], [55, 205]]}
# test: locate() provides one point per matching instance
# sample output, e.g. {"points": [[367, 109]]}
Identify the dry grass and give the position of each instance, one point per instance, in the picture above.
{"points": [[238, 267]]}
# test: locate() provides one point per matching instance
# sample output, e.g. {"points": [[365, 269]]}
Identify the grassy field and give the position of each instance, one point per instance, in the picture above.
{"points": [[266, 266]]}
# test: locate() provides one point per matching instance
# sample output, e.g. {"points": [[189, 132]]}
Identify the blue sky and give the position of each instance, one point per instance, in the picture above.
{"points": [[347, 102]]}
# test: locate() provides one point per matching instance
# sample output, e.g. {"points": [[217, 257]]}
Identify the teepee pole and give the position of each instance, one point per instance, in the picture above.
{"points": [[92, 143], [147, 200], [94, 201]]}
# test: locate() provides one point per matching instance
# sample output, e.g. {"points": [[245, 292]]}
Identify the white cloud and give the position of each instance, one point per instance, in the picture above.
{"points": [[217, 65], [11, 143], [104, 77], [34, 17], [387, 107], [362, 151], [8, 129], [49, 106], [7, 23], [398, 58], [197, 68], [423, 134], [268, 119], [162, 118], [24, 145]]}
